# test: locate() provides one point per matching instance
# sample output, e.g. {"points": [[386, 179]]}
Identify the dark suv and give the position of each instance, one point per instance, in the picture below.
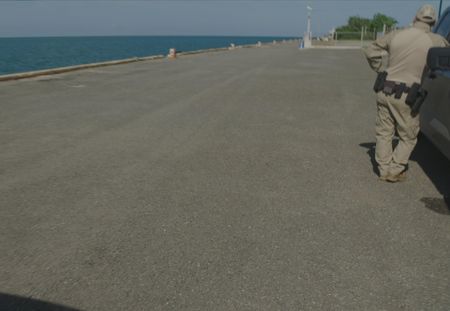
{"points": [[435, 112]]}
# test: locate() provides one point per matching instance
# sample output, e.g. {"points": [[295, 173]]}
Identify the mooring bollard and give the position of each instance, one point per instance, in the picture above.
{"points": [[172, 53]]}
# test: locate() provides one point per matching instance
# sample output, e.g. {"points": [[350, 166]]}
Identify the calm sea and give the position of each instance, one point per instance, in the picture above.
{"points": [[27, 54]]}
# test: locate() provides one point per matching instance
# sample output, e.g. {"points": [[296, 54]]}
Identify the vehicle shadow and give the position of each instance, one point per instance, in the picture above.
{"points": [[434, 164], [437, 168], [18, 303]]}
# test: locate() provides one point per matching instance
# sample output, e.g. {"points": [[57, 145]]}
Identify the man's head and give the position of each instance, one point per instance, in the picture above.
{"points": [[426, 14]]}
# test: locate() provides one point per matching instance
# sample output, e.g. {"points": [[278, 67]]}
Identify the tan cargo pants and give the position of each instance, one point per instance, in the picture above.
{"points": [[394, 115]]}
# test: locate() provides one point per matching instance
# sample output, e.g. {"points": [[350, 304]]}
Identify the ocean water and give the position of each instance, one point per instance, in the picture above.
{"points": [[28, 54]]}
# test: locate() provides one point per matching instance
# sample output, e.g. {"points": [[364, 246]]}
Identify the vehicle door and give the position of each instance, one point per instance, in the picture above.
{"points": [[435, 113]]}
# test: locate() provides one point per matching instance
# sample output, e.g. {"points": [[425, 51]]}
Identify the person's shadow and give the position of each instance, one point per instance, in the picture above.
{"points": [[371, 152], [434, 164], [17, 303]]}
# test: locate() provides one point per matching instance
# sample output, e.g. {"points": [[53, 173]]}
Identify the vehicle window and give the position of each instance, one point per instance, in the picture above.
{"points": [[444, 26]]}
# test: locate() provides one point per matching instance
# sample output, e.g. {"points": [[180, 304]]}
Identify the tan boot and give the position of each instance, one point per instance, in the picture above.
{"points": [[384, 177], [396, 178]]}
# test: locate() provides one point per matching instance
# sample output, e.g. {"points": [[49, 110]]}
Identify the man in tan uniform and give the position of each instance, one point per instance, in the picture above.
{"points": [[405, 52]]}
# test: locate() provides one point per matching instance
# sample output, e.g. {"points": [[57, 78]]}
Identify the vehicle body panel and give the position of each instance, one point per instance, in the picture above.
{"points": [[435, 112]]}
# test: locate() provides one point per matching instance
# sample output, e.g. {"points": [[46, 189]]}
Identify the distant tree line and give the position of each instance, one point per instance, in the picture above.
{"points": [[371, 26]]}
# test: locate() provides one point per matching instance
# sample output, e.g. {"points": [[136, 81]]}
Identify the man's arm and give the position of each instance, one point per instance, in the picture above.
{"points": [[445, 42], [377, 50]]}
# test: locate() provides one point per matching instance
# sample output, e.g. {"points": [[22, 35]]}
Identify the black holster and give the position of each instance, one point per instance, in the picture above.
{"points": [[415, 98], [414, 93], [379, 82]]}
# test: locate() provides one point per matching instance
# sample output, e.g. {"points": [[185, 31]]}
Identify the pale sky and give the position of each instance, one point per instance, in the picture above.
{"points": [[187, 17]]}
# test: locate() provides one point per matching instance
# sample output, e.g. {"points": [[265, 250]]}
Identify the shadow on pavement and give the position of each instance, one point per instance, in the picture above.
{"points": [[437, 168], [434, 164], [371, 153], [18, 303], [440, 206]]}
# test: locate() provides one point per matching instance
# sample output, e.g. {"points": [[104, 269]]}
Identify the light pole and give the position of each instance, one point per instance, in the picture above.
{"points": [[307, 37], [309, 21]]}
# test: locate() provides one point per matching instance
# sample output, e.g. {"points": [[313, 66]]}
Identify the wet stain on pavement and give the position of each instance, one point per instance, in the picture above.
{"points": [[438, 205]]}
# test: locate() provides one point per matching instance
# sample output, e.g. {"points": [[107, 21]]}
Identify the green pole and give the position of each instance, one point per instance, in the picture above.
{"points": [[440, 8]]}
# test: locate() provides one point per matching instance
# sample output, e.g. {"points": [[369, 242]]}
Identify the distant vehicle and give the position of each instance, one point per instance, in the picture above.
{"points": [[435, 112]]}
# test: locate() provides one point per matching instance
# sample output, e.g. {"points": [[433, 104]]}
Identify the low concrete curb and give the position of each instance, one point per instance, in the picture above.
{"points": [[32, 74], [46, 72]]}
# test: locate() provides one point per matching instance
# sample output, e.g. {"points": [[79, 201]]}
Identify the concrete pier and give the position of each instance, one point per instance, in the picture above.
{"points": [[235, 180]]}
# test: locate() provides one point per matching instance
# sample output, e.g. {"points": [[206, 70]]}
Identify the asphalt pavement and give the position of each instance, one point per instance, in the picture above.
{"points": [[236, 180]]}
